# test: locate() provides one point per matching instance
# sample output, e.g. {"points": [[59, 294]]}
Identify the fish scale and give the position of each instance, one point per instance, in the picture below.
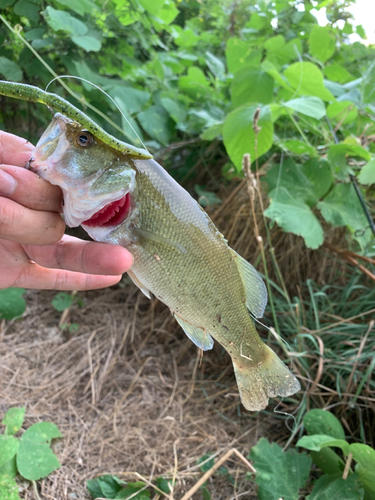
{"points": [[178, 253]]}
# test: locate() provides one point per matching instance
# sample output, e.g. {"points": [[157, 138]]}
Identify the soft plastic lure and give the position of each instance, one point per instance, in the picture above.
{"points": [[54, 101]]}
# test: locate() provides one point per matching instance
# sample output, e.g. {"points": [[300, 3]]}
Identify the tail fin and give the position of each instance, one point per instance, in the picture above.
{"points": [[268, 379]]}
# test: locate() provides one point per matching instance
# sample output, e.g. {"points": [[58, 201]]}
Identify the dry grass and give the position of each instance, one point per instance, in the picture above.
{"points": [[128, 390]]}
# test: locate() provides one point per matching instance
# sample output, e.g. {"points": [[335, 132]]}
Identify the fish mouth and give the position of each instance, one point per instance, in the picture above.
{"points": [[113, 214]]}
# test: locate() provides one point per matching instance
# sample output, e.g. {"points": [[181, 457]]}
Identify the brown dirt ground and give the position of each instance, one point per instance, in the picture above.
{"points": [[129, 391]]}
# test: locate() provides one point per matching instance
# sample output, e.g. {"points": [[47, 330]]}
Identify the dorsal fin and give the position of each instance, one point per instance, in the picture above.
{"points": [[255, 289], [201, 339]]}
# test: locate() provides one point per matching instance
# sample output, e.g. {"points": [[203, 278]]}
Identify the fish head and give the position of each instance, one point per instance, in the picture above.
{"points": [[97, 181]]}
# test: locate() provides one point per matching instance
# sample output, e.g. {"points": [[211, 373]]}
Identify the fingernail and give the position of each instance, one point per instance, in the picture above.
{"points": [[7, 183]]}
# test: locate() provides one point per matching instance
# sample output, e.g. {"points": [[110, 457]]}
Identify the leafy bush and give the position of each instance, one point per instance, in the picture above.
{"points": [[255, 79]]}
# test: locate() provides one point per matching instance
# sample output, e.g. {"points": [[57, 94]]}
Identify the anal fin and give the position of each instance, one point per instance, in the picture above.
{"points": [[201, 339]]}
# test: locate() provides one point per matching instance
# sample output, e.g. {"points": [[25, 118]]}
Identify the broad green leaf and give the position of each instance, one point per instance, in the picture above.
{"points": [[328, 461], [308, 182], [35, 459], [342, 208], [9, 468], [128, 124], [322, 42], [212, 132], [294, 216], [337, 157], [306, 79], [258, 21], [6, 3], [157, 123], [13, 419], [239, 136], [251, 85], [337, 73], [152, 6], [8, 488], [60, 20], [365, 457], [270, 68], [367, 173], [88, 43], [239, 53], [105, 486], [309, 106], [216, 66], [342, 112], [177, 109], [26, 9], [164, 485], [62, 301], [168, 13], [8, 448], [334, 487], [134, 99], [194, 83], [318, 441], [279, 474], [131, 489], [10, 69], [323, 422], [279, 52], [12, 303], [82, 7], [298, 147], [184, 37], [208, 117]]}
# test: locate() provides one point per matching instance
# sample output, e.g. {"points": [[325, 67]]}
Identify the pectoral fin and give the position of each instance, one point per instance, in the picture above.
{"points": [[145, 233], [201, 339], [255, 289], [136, 281]]}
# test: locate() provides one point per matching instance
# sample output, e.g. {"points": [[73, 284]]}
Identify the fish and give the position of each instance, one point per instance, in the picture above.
{"points": [[179, 255]]}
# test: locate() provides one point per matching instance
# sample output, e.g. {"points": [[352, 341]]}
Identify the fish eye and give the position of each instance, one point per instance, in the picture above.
{"points": [[84, 139]]}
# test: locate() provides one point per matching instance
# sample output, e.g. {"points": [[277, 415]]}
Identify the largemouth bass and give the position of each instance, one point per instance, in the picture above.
{"points": [[179, 255]]}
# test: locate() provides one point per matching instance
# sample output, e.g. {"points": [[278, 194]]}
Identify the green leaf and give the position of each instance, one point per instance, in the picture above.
{"points": [[177, 109], [130, 127], [131, 490], [164, 485], [106, 486], [194, 83], [342, 112], [334, 487], [157, 123], [309, 106], [6, 3], [62, 301], [318, 441], [365, 458], [239, 53], [60, 20], [208, 464], [367, 173], [279, 474], [328, 461], [306, 79], [26, 9], [216, 66], [10, 70], [337, 157], [308, 182], [322, 42], [280, 53], [82, 7], [342, 208], [251, 85], [206, 495], [88, 43], [239, 136], [8, 448], [35, 459], [13, 419], [168, 13], [294, 216], [152, 6], [12, 303], [134, 99], [8, 488], [298, 147], [337, 73], [323, 422]]}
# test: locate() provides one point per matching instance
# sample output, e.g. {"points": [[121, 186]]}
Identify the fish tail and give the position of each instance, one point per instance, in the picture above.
{"points": [[267, 379]]}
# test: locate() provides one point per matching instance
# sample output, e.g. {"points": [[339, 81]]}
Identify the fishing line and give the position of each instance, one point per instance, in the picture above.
{"points": [[106, 94], [272, 330]]}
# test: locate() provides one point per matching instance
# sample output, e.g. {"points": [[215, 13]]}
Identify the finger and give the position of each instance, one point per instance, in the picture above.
{"points": [[14, 150], [74, 254], [26, 226], [28, 189], [40, 278]]}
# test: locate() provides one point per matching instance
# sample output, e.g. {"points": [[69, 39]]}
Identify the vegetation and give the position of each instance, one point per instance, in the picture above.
{"points": [[202, 84]]}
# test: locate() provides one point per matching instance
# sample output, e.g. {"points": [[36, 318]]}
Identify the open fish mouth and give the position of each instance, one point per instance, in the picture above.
{"points": [[113, 214]]}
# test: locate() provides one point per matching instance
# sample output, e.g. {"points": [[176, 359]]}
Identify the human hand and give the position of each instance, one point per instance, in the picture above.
{"points": [[34, 252]]}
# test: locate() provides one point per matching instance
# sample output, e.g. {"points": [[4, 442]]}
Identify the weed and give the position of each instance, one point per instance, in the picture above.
{"points": [[12, 303]]}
